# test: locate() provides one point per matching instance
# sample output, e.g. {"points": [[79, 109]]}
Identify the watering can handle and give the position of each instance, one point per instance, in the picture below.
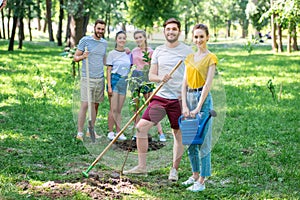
{"points": [[181, 116], [201, 127]]}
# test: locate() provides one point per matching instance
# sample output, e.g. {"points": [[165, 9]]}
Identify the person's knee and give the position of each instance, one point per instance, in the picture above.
{"points": [[143, 127], [84, 105]]}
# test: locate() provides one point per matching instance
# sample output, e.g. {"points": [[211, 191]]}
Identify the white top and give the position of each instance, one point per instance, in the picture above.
{"points": [[167, 58], [120, 62]]}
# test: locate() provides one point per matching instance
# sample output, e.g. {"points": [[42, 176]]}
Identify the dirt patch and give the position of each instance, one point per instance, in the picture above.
{"points": [[131, 145], [98, 186]]}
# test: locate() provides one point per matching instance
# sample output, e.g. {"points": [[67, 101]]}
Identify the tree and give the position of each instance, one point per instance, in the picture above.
{"points": [[60, 23], [3, 26], [284, 15], [49, 19], [18, 13], [144, 14], [254, 10], [240, 15]]}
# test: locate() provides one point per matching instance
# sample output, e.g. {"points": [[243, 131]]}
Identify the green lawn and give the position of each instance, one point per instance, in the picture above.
{"points": [[256, 157]]}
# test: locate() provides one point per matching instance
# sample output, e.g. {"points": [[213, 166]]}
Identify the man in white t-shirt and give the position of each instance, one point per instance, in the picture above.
{"points": [[167, 99]]}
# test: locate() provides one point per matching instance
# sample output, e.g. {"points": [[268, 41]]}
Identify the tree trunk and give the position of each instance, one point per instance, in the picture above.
{"points": [[68, 32], [186, 28], [3, 25], [60, 22], [8, 21], [30, 30], [289, 39], [280, 46], [45, 25], [29, 23], [245, 25], [86, 19], [294, 38], [39, 15], [78, 29], [49, 20], [107, 23], [21, 32], [123, 25], [78, 26], [228, 28], [273, 31], [72, 41], [13, 32]]}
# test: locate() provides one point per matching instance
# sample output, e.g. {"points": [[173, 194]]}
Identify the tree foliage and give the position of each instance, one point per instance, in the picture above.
{"points": [[144, 13], [147, 14], [254, 11]]}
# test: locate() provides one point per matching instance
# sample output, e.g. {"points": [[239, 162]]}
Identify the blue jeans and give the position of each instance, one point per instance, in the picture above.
{"points": [[200, 155]]}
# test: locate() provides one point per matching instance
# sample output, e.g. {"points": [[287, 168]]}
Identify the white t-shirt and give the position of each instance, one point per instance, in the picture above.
{"points": [[120, 62], [166, 58]]}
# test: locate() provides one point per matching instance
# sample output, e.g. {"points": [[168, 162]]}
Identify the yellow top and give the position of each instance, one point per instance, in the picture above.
{"points": [[196, 71]]}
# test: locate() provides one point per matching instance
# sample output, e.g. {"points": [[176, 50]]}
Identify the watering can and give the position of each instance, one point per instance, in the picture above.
{"points": [[192, 128]]}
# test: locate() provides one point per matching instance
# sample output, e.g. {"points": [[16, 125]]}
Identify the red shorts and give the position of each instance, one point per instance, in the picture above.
{"points": [[160, 107]]}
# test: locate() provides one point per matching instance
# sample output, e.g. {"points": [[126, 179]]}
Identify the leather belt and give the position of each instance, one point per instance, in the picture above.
{"points": [[194, 90]]}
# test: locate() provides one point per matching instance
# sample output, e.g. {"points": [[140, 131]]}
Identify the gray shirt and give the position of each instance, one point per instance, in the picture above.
{"points": [[97, 51], [166, 58]]}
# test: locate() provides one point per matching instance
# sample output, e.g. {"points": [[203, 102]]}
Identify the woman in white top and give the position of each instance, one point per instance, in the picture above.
{"points": [[118, 66]]}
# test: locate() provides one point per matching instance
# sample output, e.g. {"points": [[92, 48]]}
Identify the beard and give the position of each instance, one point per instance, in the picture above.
{"points": [[174, 39], [98, 35]]}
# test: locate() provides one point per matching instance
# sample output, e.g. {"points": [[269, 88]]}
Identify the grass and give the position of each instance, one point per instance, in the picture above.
{"points": [[257, 156]]}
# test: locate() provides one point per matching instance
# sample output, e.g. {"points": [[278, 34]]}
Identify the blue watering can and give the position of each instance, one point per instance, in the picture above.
{"points": [[192, 128]]}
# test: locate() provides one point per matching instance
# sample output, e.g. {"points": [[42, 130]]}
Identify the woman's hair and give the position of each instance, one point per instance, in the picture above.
{"points": [[202, 27], [117, 34], [172, 20], [145, 36]]}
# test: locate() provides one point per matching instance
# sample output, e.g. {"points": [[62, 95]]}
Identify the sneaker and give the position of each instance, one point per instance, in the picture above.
{"points": [[122, 137], [135, 170], [79, 136], [196, 187], [173, 176], [162, 137], [111, 135], [190, 181]]}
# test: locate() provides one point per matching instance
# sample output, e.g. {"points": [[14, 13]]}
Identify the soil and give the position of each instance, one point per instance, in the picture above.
{"points": [[99, 185], [130, 145]]}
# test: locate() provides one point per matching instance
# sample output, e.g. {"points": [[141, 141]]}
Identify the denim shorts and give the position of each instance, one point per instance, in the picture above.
{"points": [[119, 84]]}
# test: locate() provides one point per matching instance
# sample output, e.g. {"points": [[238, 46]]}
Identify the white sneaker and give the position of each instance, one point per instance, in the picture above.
{"points": [[173, 176], [122, 137], [190, 181], [111, 135], [196, 187]]}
